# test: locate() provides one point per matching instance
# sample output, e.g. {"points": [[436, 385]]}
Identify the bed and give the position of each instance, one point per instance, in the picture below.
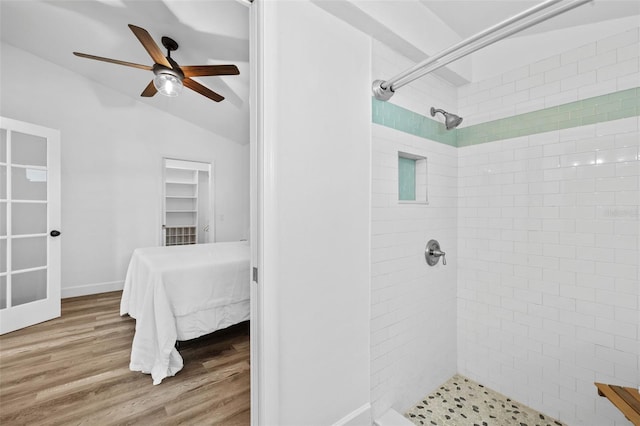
{"points": [[179, 293]]}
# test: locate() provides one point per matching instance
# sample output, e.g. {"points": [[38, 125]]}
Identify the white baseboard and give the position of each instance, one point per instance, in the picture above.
{"points": [[392, 418], [84, 290], [359, 417]]}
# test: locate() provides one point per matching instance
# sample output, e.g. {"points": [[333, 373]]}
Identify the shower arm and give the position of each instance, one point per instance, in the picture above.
{"points": [[383, 90]]}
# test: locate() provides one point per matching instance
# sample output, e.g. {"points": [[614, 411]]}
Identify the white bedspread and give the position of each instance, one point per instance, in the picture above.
{"points": [[179, 293]]}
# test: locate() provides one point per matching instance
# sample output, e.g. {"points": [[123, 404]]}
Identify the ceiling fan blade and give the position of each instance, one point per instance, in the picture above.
{"points": [[150, 45], [113, 61], [149, 91], [197, 87], [206, 70]]}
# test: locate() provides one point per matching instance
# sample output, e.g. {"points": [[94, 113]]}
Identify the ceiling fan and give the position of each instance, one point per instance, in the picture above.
{"points": [[169, 76]]}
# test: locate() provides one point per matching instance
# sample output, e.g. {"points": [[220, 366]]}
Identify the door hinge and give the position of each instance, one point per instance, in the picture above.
{"points": [[255, 274]]}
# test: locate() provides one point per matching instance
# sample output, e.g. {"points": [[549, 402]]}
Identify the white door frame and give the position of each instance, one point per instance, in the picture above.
{"points": [[255, 191], [265, 356], [41, 310]]}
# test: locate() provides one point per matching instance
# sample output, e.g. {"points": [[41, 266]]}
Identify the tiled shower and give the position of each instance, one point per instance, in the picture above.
{"points": [[535, 200]]}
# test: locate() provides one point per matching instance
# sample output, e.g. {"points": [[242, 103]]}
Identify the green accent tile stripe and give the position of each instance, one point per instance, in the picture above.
{"points": [[612, 106], [407, 121]]}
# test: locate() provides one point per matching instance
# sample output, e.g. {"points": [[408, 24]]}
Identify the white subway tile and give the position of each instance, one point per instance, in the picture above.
{"points": [[619, 127], [558, 276], [516, 74], [628, 52], [619, 40], [530, 105], [620, 183], [620, 69], [626, 373], [561, 73], [490, 83], [545, 65], [552, 187], [547, 89], [517, 98], [578, 185], [546, 336], [616, 328], [564, 97], [602, 87], [559, 302], [599, 170], [628, 168], [598, 143], [610, 240], [578, 239], [626, 345], [576, 212], [560, 148], [559, 199], [528, 153], [578, 133], [560, 225], [595, 253], [503, 89], [617, 270], [617, 155], [575, 55], [578, 159], [575, 82], [594, 62], [627, 222], [627, 315], [595, 309], [616, 299], [628, 138], [589, 334], [529, 82], [625, 82], [578, 292]]}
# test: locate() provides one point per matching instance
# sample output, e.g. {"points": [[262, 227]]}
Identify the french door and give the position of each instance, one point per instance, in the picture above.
{"points": [[29, 224]]}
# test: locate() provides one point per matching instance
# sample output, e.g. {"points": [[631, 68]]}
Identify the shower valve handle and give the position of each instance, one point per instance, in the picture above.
{"points": [[432, 253], [438, 253]]}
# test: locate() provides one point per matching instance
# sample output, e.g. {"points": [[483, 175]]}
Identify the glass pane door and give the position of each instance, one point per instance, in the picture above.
{"points": [[29, 206]]}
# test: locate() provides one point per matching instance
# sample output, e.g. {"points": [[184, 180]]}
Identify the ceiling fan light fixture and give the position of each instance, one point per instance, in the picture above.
{"points": [[168, 83]]}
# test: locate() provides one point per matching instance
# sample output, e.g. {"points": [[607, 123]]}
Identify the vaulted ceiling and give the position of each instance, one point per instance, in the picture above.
{"points": [[217, 32], [208, 32]]}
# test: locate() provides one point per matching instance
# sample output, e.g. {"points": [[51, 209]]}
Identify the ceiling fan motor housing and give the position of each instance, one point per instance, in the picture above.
{"points": [[175, 71]]}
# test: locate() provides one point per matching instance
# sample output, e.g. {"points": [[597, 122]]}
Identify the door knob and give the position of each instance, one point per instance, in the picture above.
{"points": [[54, 233]]}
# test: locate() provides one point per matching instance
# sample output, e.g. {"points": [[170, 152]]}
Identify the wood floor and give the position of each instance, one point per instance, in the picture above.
{"points": [[75, 370]]}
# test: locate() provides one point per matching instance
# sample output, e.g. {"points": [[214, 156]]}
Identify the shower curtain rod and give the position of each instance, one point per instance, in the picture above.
{"points": [[383, 90]]}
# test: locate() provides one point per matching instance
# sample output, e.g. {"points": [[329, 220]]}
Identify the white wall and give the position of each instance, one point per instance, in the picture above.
{"points": [[413, 306], [548, 280], [112, 149], [315, 218]]}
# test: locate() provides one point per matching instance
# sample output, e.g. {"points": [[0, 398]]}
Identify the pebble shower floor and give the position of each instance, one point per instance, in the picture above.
{"points": [[463, 402]]}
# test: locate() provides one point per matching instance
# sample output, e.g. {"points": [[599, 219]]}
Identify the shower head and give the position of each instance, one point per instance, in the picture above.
{"points": [[450, 120]]}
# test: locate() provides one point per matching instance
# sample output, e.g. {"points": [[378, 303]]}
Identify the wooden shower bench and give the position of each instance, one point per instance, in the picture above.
{"points": [[625, 399]]}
